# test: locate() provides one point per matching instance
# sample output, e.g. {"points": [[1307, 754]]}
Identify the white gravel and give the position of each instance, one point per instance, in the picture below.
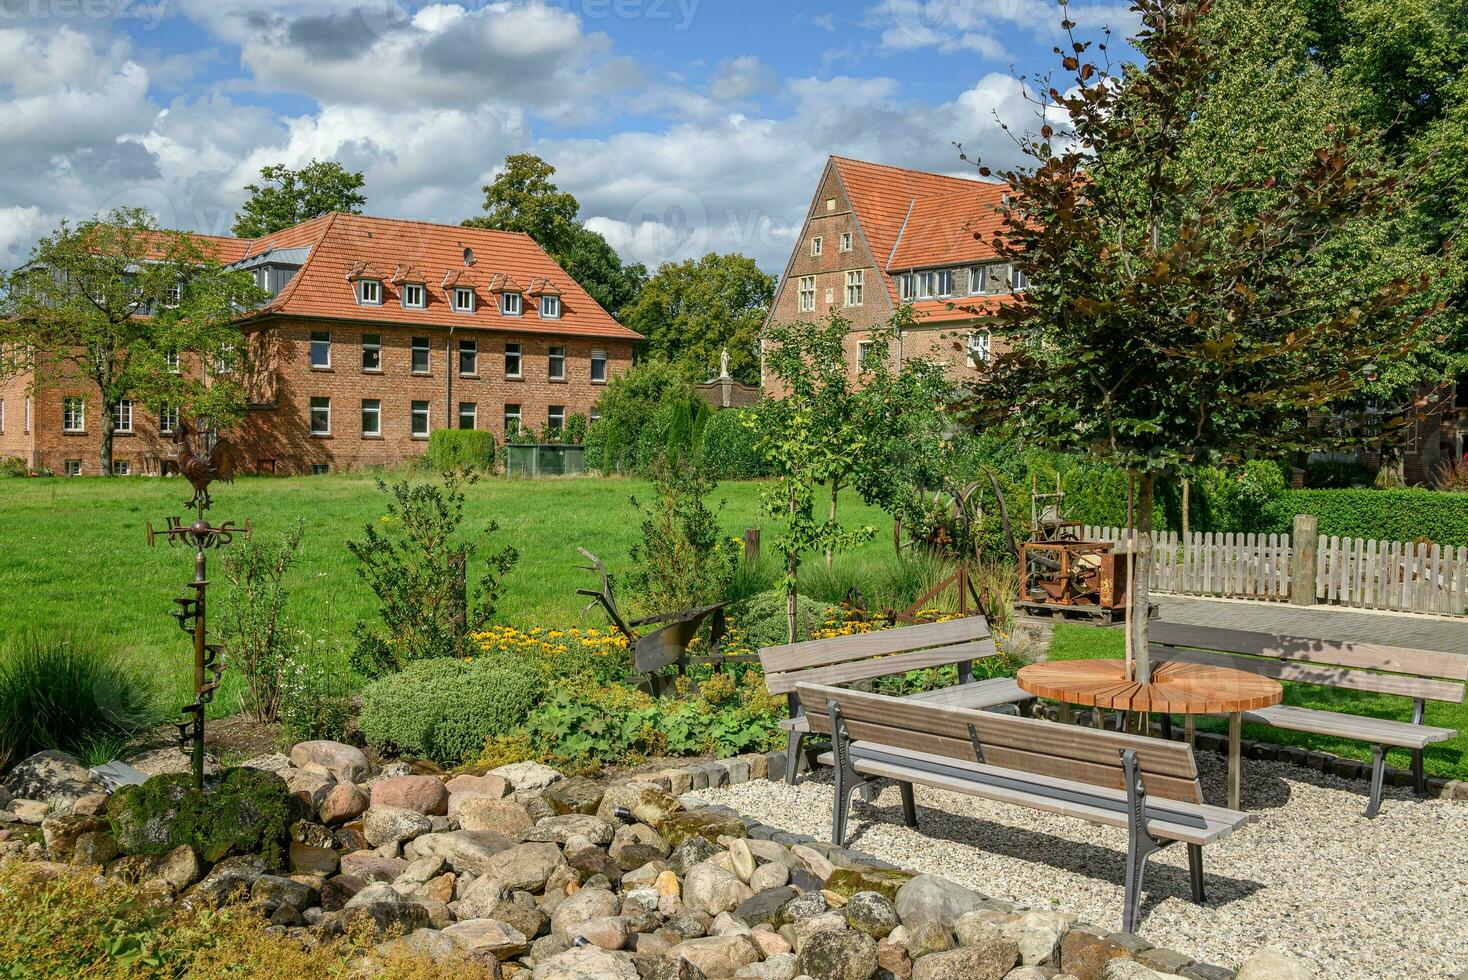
{"points": [[1360, 898]]}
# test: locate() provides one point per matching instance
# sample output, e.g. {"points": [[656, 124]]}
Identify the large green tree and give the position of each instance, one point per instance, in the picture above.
{"points": [[286, 197], [133, 312], [692, 311], [1173, 320], [523, 197]]}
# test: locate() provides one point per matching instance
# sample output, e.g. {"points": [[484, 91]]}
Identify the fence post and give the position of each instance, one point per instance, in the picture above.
{"points": [[1303, 567], [751, 546]]}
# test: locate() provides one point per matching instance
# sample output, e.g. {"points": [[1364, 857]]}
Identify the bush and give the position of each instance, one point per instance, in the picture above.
{"points": [[13, 466], [683, 559], [729, 450], [461, 449], [316, 702], [632, 430], [442, 709], [1387, 515], [74, 693], [762, 620], [255, 628]]}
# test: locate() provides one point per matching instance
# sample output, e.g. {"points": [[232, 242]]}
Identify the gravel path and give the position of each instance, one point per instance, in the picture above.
{"points": [[1361, 898]]}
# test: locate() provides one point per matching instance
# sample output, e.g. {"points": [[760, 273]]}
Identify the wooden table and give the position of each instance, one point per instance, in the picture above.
{"points": [[1175, 689]]}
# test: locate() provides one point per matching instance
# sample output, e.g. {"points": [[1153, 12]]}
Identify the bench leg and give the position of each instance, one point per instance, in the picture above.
{"points": [[1027, 708], [792, 757], [1378, 772], [1419, 775], [1195, 871], [1139, 849], [1166, 725], [909, 805]]}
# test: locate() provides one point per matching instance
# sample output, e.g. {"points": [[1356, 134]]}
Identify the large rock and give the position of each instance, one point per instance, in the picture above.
{"points": [[60, 834], [988, 961], [848, 881], [928, 898], [526, 867], [718, 956], [840, 955], [372, 867], [391, 824], [173, 759], [710, 889], [495, 787], [230, 879], [342, 802], [1271, 964], [178, 869], [527, 775], [309, 788], [53, 777], [499, 939], [345, 763], [872, 913], [765, 906], [1085, 956], [475, 812], [586, 963], [585, 905], [464, 850], [379, 908], [242, 811], [574, 795], [704, 823], [425, 794]]}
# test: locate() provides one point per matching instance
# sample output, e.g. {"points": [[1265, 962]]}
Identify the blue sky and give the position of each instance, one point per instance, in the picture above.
{"points": [[683, 126]]}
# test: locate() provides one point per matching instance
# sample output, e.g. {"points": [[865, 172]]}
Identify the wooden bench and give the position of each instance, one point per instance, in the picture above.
{"points": [[885, 653], [1147, 786], [1422, 675]]}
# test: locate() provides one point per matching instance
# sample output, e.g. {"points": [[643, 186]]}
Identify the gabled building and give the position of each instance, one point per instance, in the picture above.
{"points": [[377, 332], [878, 237]]}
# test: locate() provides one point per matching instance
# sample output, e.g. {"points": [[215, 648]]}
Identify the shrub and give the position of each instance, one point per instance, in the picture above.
{"points": [[556, 654], [683, 559], [574, 432], [316, 702], [1452, 476], [1387, 515], [762, 620], [442, 709], [625, 438], [255, 628], [69, 692], [728, 450], [13, 466], [585, 724], [461, 449], [1336, 475]]}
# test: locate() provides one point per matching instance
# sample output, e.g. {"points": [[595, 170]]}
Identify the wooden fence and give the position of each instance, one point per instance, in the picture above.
{"points": [[1394, 575]]}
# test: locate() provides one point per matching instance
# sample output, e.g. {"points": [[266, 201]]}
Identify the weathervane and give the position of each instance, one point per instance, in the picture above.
{"points": [[202, 462]]}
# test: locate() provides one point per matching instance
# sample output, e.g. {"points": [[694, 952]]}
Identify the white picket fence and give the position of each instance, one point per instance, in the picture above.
{"points": [[1394, 575]]}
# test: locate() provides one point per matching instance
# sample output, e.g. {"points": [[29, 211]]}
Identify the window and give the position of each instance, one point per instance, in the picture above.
{"points": [[510, 304], [320, 349], [807, 294], [121, 467], [854, 281], [845, 241], [27, 414], [550, 307], [420, 420], [415, 297], [978, 349], [468, 415], [816, 245], [463, 299], [369, 292], [598, 365], [224, 361], [2, 416], [420, 355], [512, 360], [172, 295], [557, 362], [371, 352], [73, 415], [122, 417], [73, 467], [262, 278], [1018, 281], [512, 420], [555, 418], [905, 286], [320, 469], [170, 359], [371, 417], [469, 357], [320, 416], [864, 352], [168, 419], [943, 282], [977, 280]]}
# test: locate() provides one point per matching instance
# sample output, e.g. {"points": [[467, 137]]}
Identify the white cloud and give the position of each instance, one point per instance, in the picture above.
{"points": [[19, 228], [978, 25], [740, 78]]}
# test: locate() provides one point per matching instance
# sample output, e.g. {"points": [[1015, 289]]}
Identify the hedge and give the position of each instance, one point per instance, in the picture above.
{"points": [[451, 449], [1386, 515], [728, 450]]}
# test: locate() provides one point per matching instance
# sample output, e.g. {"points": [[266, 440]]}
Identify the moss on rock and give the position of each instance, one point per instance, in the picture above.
{"points": [[885, 882], [241, 811]]}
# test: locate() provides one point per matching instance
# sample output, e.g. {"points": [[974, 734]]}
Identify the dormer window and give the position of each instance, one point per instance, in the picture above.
{"points": [[550, 307], [415, 296], [463, 299], [369, 292], [1018, 281], [511, 304]]}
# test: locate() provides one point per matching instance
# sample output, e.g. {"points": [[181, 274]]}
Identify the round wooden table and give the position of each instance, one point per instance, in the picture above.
{"points": [[1176, 688]]}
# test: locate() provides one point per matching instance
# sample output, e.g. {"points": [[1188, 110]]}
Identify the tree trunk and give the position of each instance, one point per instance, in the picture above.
{"points": [[107, 429], [791, 570], [1141, 579], [835, 489]]}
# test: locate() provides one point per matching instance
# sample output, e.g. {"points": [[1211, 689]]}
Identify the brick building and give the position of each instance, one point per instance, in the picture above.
{"points": [[379, 331], [878, 237]]}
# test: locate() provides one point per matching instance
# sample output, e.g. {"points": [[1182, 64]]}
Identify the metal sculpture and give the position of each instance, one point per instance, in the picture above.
{"points": [[210, 459]]}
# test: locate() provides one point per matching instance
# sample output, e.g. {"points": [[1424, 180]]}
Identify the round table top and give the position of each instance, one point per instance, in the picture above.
{"points": [[1175, 688]]}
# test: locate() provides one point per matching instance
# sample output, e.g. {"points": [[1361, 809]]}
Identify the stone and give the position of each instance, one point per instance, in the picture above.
{"points": [[676, 827], [498, 939], [574, 795], [270, 893], [778, 967], [892, 957], [560, 829], [306, 859], [178, 869], [308, 787], [475, 812], [1164, 960], [717, 956], [53, 777], [1205, 971], [420, 942], [872, 913], [276, 762], [529, 920], [838, 955], [1038, 936], [372, 867], [742, 859], [345, 763], [525, 866], [379, 908], [1129, 970], [929, 936], [423, 794], [710, 889], [527, 775], [928, 898], [241, 811], [691, 851], [585, 905], [591, 861], [156, 762], [488, 785], [464, 850], [988, 961], [1271, 964], [608, 932], [342, 802], [384, 824], [801, 930], [768, 876], [94, 848], [31, 812], [585, 963], [229, 879], [1085, 956], [765, 906], [60, 834], [804, 906], [848, 881]]}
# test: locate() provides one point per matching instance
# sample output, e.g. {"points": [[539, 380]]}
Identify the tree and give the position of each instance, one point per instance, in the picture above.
{"points": [[523, 197], [1172, 322], [692, 311], [117, 303], [683, 559], [286, 197]]}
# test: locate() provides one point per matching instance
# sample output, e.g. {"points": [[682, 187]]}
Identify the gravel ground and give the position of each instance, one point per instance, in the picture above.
{"points": [[1361, 898]]}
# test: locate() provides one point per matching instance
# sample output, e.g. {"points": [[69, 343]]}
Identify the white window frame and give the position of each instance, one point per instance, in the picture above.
{"points": [[413, 415], [415, 296], [375, 346], [806, 294], [978, 280], [1018, 281], [511, 304], [463, 299], [315, 339], [980, 348], [855, 287], [72, 467], [817, 246], [943, 283], [369, 292], [167, 419], [473, 415], [121, 467], [845, 242], [375, 410], [470, 347], [518, 353], [904, 286], [313, 408], [598, 357], [550, 307], [551, 358], [551, 425], [172, 296], [427, 348], [864, 349], [2, 416], [73, 414], [517, 417], [170, 360], [122, 416]]}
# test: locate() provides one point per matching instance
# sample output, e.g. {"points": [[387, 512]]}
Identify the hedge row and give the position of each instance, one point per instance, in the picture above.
{"points": [[451, 449], [1386, 515]]}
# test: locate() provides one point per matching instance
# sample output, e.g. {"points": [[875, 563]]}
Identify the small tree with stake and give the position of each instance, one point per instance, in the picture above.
{"points": [[1171, 323]]}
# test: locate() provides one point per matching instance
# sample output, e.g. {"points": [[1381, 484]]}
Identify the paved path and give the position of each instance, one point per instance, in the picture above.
{"points": [[1323, 622]]}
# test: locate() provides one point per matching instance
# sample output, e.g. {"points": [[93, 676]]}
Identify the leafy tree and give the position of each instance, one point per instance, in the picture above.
{"points": [[108, 303], [523, 197], [692, 311], [683, 559], [1173, 322], [630, 405], [286, 197]]}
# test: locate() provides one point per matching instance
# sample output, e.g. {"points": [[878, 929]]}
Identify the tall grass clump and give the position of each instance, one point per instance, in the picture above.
{"points": [[72, 692]]}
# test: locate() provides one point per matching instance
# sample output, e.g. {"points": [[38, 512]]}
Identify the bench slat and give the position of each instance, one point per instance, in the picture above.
{"points": [[1377, 730], [1338, 653], [977, 694], [840, 649], [899, 663], [1321, 674]]}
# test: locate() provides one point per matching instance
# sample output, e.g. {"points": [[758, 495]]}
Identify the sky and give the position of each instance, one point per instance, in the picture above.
{"points": [[682, 126]]}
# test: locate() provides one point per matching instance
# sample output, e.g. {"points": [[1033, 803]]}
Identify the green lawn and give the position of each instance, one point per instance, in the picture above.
{"points": [[1073, 642]]}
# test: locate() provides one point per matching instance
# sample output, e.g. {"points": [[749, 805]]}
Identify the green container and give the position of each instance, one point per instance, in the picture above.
{"points": [[544, 459]]}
